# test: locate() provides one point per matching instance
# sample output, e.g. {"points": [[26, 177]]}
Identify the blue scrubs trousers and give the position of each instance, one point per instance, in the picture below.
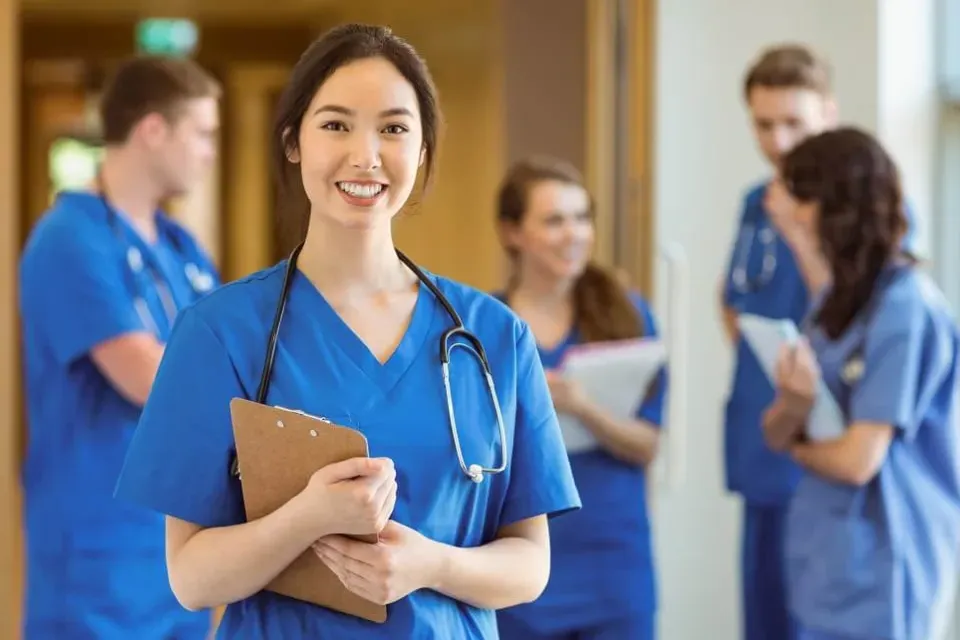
{"points": [[811, 634], [637, 626], [764, 581]]}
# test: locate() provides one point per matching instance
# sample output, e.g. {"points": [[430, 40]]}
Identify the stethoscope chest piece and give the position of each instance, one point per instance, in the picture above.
{"points": [[134, 259], [475, 472], [201, 281]]}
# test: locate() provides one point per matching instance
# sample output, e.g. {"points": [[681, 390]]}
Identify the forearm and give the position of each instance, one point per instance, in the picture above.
{"points": [[782, 424], [729, 317], [130, 363], [218, 566], [855, 458], [503, 573], [631, 441]]}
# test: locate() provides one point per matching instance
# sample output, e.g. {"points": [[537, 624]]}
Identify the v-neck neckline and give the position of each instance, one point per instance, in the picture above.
{"points": [[342, 338]]}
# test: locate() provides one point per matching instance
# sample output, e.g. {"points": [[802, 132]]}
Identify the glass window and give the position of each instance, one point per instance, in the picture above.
{"points": [[948, 48]]}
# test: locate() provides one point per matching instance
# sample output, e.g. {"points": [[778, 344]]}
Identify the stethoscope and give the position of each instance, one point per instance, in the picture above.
{"points": [[200, 281], [471, 343], [750, 233]]}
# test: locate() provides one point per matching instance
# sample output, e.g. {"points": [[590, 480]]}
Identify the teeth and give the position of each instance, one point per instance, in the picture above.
{"points": [[360, 190]]}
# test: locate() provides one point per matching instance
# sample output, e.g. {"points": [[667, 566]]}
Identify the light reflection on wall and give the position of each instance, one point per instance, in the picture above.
{"points": [[73, 164]]}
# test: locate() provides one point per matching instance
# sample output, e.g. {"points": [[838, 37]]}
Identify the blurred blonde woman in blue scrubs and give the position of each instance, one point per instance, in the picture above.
{"points": [[602, 585], [102, 279], [873, 531]]}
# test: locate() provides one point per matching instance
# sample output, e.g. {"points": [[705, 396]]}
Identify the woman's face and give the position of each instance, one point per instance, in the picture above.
{"points": [[361, 145], [555, 237]]}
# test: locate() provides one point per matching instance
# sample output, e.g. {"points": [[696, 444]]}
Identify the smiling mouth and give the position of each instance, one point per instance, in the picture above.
{"points": [[364, 190]]}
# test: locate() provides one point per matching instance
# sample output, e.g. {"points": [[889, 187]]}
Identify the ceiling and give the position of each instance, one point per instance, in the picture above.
{"points": [[410, 12]]}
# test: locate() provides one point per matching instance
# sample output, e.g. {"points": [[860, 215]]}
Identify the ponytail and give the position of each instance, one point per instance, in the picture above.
{"points": [[602, 307]]}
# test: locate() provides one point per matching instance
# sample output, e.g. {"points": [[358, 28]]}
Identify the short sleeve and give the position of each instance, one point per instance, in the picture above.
{"points": [[730, 294], [74, 288], [651, 409], [541, 481], [893, 353], [178, 462]]}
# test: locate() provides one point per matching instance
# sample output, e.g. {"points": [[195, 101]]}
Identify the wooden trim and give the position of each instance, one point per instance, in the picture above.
{"points": [[247, 217], [10, 386], [600, 143], [643, 249]]}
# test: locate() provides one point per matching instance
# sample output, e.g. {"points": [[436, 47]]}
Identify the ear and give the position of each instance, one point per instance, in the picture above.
{"points": [[509, 233], [423, 157], [153, 129], [290, 146]]}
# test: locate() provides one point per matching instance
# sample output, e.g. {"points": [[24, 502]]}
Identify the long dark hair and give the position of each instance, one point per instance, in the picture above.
{"points": [[601, 304], [334, 49], [862, 221]]}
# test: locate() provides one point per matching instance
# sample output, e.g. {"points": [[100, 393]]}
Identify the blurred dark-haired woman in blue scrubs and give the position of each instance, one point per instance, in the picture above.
{"points": [[602, 583], [873, 531]]}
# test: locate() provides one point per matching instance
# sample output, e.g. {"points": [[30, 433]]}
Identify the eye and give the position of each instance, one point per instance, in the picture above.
{"points": [[334, 125], [395, 129]]}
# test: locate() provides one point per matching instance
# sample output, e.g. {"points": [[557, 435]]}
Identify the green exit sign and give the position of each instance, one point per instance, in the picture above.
{"points": [[167, 36]]}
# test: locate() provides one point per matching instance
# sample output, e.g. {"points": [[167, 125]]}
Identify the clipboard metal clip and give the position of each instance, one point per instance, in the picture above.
{"points": [[303, 413]]}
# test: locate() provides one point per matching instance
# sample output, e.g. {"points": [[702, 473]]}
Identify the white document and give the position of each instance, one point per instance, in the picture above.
{"points": [[614, 375], [765, 337]]}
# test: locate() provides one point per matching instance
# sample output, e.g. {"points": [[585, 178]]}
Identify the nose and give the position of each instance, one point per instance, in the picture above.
{"points": [[365, 151]]}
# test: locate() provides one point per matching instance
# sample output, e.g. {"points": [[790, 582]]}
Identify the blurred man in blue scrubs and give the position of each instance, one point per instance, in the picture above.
{"points": [[789, 96], [102, 278]]}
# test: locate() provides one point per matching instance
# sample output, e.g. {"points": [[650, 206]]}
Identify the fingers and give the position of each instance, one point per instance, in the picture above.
{"points": [[385, 498], [338, 547], [358, 468], [785, 363], [387, 509]]}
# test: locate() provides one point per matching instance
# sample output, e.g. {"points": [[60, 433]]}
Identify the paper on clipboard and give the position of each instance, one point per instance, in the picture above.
{"points": [[614, 375], [765, 337]]}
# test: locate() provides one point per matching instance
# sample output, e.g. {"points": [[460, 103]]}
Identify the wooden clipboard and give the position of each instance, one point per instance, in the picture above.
{"points": [[278, 450]]}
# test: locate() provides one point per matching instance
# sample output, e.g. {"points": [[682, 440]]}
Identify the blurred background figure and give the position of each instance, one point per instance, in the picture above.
{"points": [[102, 278], [602, 582], [789, 96], [873, 532]]}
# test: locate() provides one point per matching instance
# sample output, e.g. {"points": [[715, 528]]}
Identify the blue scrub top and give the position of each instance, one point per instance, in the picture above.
{"points": [[91, 562], [881, 560], [760, 475], [602, 565], [179, 460]]}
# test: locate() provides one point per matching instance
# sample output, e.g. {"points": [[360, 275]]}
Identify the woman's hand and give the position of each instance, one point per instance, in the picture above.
{"points": [[353, 497], [568, 397], [797, 376], [402, 562]]}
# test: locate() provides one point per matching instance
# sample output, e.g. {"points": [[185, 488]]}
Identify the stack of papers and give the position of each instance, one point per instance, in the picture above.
{"points": [[766, 337], [615, 376]]}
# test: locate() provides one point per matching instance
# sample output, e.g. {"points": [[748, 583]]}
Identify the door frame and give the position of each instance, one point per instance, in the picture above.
{"points": [[620, 74]]}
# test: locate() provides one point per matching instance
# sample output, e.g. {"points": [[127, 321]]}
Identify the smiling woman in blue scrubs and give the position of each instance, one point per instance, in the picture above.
{"points": [[358, 345], [873, 532], [102, 277], [603, 582]]}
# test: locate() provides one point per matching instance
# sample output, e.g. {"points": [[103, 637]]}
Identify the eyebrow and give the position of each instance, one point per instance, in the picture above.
{"points": [[386, 113]]}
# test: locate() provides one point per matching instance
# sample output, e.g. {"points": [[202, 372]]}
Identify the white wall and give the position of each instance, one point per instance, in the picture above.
{"points": [[704, 159]]}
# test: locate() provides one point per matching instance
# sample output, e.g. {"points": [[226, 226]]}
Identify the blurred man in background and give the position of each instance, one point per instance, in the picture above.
{"points": [[102, 277]]}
